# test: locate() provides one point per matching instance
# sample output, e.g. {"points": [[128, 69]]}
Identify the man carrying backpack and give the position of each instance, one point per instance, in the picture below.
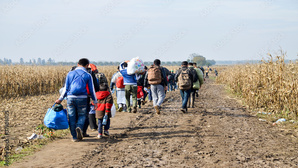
{"points": [[197, 83], [157, 79], [131, 88], [185, 79], [75, 89]]}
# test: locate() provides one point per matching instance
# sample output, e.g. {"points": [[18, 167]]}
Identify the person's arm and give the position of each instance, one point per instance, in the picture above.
{"points": [[164, 76], [177, 75], [64, 91], [91, 89], [109, 104], [146, 80]]}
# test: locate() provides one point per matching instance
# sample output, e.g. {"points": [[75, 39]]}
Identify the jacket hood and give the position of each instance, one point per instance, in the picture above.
{"points": [[102, 94]]}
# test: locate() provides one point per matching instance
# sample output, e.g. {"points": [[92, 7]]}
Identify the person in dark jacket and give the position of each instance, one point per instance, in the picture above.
{"points": [[184, 90], [157, 79]]}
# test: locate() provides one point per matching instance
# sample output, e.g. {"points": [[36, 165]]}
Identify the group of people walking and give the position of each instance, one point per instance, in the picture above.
{"points": [[84, 82]]}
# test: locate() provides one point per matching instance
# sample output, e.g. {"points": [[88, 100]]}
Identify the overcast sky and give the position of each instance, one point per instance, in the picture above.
{"points": [[117, 30]]}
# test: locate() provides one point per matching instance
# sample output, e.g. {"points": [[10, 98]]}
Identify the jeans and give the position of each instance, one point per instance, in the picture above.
{"points": [[192, 98], [149, 95], [87, 117], [158, 94], [106, 127], [131, 90], [76, 109], [185, 95]]}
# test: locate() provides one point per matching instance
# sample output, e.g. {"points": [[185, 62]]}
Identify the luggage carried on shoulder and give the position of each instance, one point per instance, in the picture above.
{"points": [[154, 75], [184, 81], [135, 66], [56, 117]]}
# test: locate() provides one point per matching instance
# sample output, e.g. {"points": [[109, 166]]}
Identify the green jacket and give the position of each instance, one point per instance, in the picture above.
{"points": [[200, 81]]}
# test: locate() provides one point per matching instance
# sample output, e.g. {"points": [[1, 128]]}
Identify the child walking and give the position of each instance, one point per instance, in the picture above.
{"points": [[105, 103]]}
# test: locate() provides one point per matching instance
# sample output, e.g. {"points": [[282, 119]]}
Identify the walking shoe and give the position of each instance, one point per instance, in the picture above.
{"points": [[106, 132], [134, 110], [183, 110], [99, 136], [79, 133], [129, 110], [143, 102], [120, 109], [140, 106], [75, 140], [157, 109]]}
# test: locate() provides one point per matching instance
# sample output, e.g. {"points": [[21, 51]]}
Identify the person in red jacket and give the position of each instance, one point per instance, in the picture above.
{"points": [[140, 96], [104, 105]]}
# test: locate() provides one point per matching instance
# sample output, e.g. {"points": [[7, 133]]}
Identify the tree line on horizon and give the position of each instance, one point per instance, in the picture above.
{"points": [[200, 60]]}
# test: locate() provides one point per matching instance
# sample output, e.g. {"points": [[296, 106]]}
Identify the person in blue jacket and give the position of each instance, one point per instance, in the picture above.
{"points": [[75, 91], [131, 87]]}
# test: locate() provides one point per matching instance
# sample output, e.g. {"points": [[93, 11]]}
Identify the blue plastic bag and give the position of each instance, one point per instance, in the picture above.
{"points": [[56, 120]]}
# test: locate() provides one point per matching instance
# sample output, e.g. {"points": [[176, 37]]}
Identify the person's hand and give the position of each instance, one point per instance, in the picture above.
{"points": [[166, 88], [95, 106], [106, 113], [58, 101]]}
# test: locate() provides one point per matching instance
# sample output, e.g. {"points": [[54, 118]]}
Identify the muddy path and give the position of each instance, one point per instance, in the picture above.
{"points": [[218, 132]]}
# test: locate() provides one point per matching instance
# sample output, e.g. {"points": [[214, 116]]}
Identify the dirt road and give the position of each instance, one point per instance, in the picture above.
{"points": [[218, 132]]}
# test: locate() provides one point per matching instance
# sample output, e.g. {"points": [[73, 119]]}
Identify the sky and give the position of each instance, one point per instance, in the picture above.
{"points": [[171, 30]]}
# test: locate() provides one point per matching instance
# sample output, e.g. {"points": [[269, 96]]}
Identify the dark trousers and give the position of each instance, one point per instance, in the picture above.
{"points": [[86, 124], [192, 98], [184, 95], [92, 121]]}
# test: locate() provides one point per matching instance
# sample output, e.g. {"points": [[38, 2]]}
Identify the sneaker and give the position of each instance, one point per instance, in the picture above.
{"points": [[140, 106], [183, 110], [134, 110], [106, 132], [99, 136], [143, 102], [75, 140], [129, 110], [79, 133], [120, 109], [157, 109]]}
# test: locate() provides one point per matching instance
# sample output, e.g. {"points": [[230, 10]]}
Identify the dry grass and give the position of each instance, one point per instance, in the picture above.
{"points": [[22, 80], [271, 85]]}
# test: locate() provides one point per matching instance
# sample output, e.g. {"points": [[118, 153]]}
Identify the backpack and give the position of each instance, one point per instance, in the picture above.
{"points": [[120, 82], [78, 85], [154, 75], [184, 81], [101, 78]]}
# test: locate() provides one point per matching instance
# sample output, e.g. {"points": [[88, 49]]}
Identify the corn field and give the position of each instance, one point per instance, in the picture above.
{"points": [[19, 80], [271, 85]]}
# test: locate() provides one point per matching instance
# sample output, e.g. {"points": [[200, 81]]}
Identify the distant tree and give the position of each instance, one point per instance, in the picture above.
{"points": [[22, 61], [1, 62], [39, 61]]}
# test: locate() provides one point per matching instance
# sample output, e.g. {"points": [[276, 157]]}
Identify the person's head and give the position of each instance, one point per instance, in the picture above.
{"points": [[124, 64], [190, 64], [103, 87], [145, 68], [156, 62], [195, 64], [184, 64], [93, 68], [83, 62]]}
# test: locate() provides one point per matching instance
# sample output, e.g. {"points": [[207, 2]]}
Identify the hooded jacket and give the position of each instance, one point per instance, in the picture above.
{"points": [[104, 105], [79, 72]]}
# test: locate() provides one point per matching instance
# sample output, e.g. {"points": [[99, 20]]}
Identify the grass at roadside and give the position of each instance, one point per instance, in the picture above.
{"points": [[37, 144]]}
